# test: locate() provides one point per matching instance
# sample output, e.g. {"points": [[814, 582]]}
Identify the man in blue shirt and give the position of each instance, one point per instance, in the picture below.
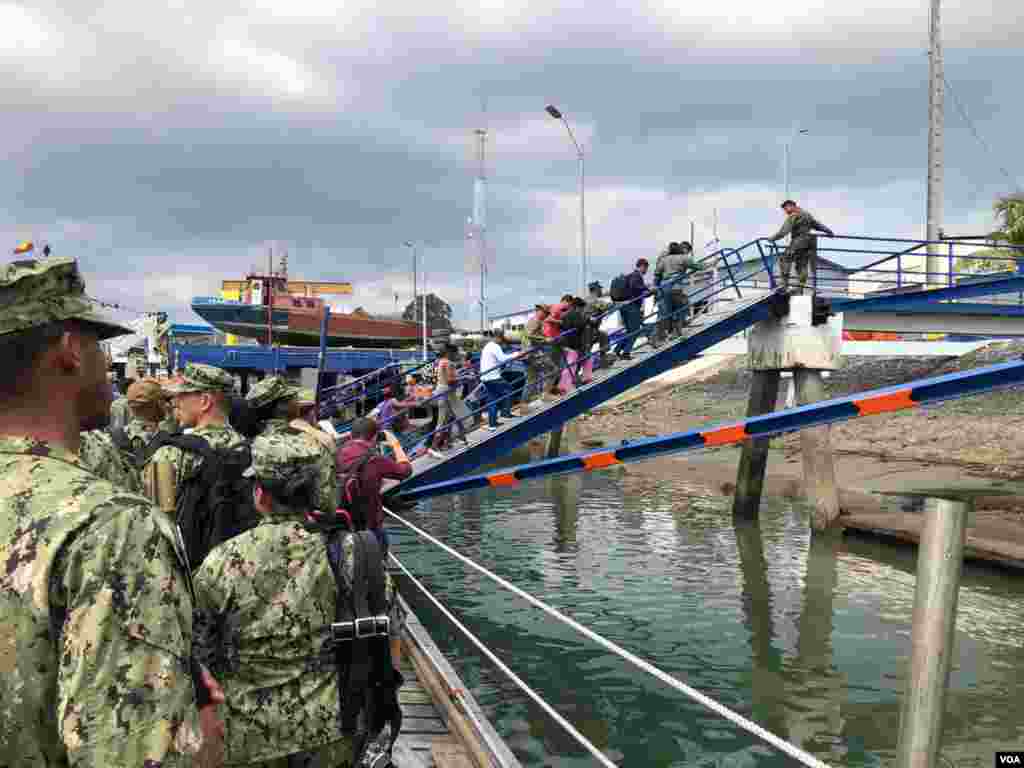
{"points": [[632, 311]]}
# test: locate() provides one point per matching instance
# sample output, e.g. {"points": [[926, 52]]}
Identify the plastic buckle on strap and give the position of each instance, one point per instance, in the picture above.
{"points": [[359, 629]]}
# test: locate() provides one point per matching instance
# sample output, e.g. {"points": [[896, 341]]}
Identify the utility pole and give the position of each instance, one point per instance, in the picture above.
{"points": [[480, 217], [936, 106]]}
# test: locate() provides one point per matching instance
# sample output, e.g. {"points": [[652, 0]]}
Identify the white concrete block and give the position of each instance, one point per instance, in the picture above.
{"points": [[794, 343]]}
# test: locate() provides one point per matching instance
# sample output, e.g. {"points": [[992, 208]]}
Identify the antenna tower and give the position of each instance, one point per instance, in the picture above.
{"points": [[480, 218]]}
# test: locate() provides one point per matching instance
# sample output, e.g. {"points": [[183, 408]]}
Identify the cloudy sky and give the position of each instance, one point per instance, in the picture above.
{"points": [[165, 144]]}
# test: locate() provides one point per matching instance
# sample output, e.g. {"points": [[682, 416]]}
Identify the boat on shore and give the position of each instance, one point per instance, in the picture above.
{"points": [[295, 319]]}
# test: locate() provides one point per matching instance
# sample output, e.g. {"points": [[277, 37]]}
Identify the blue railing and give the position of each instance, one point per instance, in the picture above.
{"points": [[703, 294]]}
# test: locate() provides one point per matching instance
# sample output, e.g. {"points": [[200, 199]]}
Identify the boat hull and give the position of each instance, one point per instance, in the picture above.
{"points": [[302, 328]]}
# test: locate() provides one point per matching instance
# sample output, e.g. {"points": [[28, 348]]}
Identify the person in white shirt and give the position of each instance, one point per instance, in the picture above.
{"points": [[499, 392]]}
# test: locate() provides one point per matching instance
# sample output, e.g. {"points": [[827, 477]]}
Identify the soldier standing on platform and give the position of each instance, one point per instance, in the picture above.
{"points": [[803, 243], [95, 612], [276, 403], [201, 405]]}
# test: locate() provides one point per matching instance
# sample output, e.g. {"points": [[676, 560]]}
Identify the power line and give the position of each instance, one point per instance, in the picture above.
{"points": [[974, 131]]}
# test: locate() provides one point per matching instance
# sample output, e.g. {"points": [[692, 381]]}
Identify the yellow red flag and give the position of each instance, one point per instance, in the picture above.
{"points": [[25, 247]]}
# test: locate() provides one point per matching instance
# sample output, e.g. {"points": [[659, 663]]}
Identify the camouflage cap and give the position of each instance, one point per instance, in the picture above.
{"points": [[280, 457], [145, 391], [270, 390], [35, 292], [198, 377]]}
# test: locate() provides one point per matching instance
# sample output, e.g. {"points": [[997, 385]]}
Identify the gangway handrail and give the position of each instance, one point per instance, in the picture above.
{"points": [[868, 403], [720, 709], [423, 439], [493, 658]]}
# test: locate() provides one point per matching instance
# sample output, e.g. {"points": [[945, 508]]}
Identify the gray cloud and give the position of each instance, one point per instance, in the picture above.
{"points": [[165, 146]]}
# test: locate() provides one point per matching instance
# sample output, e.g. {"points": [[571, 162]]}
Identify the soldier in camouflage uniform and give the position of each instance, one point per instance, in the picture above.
{"points": [[95, 614], [803, 243], [99, 455], [201, 406], [271, 595], [277, 401], [146, 401]]}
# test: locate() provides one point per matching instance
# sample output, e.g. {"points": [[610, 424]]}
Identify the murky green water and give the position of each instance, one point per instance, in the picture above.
{"points": [[809, 639]]}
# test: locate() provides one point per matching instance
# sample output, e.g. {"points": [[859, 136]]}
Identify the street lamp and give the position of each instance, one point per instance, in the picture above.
{"points": [[785, 158], [555, 113]]}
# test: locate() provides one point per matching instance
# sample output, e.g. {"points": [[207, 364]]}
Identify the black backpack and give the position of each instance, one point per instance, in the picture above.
{"points": [[133, 451], [368, 683], [216, 503], [617, 289]]}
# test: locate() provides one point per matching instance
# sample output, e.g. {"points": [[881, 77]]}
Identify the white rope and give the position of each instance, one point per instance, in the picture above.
{"points": [[597, 753], [720, 709]]}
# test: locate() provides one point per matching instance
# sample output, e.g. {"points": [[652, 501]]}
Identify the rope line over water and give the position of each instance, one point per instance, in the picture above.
{"points": [[720, 709], [536, 697]]}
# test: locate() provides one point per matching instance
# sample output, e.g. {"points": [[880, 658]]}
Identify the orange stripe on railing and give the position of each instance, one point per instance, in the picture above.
{"points": [[894, 401], [506, 478], [600, 461], [725, 435]]}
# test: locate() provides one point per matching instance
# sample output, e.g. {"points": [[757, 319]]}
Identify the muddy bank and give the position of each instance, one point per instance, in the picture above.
{"points": [[976, 442]]}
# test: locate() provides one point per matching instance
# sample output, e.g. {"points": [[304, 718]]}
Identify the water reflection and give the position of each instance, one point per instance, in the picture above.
{"points": [[807, 635]]}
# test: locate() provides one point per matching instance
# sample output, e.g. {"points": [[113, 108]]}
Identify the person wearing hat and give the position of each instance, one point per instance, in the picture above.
{"points": [[112, 453], [275, 404], [201, 401], [95, 611], [596, 307], [671, 269], [538, 364], [274, 586]]}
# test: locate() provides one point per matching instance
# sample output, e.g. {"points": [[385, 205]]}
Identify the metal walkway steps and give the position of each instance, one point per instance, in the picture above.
{"points": [[486, 446]]}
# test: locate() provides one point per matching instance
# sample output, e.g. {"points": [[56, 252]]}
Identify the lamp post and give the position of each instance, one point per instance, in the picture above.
{"points": [[786, 156], [555, 113]]}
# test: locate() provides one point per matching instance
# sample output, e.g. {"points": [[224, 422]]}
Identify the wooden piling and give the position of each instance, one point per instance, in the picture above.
{"points": [[816, 449], [939, 562], [764, 392]]}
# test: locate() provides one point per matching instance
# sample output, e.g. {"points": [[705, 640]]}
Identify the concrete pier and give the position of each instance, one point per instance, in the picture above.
{"points": [[791, 343], [939, 562]]}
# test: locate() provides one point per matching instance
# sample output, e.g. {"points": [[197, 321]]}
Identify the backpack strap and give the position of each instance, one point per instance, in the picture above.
{"points": [[367, 681]]}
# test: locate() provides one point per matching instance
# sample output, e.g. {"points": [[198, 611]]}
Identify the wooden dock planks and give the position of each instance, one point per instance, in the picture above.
{"points": [[442, 725]]}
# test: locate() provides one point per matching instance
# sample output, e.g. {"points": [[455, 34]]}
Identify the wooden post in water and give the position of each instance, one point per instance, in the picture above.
{"points": [[939, 562], [816, 449], [764, 392]]}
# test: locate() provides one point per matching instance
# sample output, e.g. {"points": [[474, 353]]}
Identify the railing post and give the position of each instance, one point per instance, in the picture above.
{"points": [[767, 265]]}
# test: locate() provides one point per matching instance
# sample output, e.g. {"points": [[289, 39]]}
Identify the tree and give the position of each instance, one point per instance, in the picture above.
{"points": [[1010, 215], [439, 314]]}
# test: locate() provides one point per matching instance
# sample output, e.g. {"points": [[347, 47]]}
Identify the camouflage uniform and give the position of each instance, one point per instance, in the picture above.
{"points": [[95, 617], [274, 389], [99, 455], [119, 412], [182, 465], [271, 595], [803, 245]]}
